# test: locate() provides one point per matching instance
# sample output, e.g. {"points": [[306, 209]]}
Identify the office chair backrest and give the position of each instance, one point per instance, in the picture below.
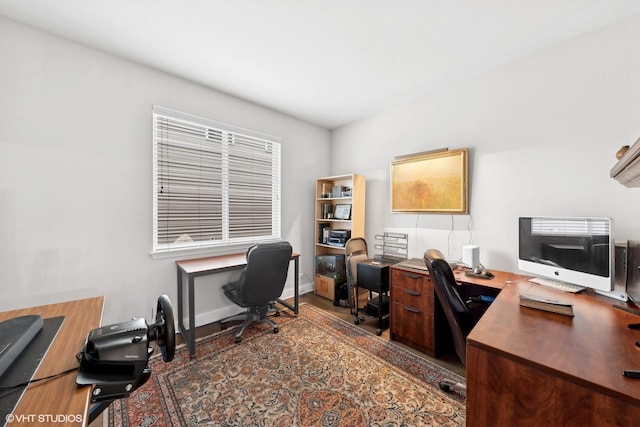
{"points": [[356, 251], [456, 311], [265, 275]]}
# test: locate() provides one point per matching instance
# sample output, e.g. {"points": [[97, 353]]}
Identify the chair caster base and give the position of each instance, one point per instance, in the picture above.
{"points": [[449, 386], [276, 330], [378, 332], [237, 340]]}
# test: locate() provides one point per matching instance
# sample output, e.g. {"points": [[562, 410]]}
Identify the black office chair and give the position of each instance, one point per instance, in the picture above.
{"points": [[261, 283], [461, 316], [355, 252]]}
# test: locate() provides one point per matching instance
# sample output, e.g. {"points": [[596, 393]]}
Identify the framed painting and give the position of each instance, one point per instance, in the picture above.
{"points": [[431, 183]]}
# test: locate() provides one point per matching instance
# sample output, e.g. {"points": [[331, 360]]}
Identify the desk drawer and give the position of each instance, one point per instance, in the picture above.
{"points": [[413, 327], [412, 298], [411, 280]]}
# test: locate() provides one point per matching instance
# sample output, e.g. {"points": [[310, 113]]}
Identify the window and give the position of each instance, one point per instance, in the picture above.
{"points": [[214, 185]]}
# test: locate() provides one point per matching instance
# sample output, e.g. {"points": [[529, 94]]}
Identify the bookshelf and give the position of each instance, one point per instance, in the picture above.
{"points": [[339, 205]]}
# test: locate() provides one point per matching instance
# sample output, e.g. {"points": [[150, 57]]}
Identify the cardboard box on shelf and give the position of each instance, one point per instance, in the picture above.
{"points": [[325, 286]]}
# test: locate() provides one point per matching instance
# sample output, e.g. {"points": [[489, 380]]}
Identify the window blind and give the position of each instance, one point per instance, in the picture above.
{"points": [[214, 184], [569, 226]]}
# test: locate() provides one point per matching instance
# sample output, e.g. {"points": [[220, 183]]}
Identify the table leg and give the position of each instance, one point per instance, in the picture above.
{"points": [[181, 327], [296, 288], [191, 337], [380, 309], [296, 293], [187, 335]]}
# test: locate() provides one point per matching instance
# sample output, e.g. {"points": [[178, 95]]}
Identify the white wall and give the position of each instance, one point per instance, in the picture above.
{"points": [[75, 162], [75, 176], [542, 132]]}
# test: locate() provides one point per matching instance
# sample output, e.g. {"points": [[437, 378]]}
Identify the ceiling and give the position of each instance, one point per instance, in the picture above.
{"points": [[329, 62]]}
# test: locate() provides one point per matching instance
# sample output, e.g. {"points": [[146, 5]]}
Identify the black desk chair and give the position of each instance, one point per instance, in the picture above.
{"points": [[461, 316], [261, 283]]}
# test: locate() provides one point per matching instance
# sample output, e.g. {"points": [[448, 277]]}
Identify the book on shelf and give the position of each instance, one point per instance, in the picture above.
{"points": [[323, 232], [326, 208], [546, 304]]}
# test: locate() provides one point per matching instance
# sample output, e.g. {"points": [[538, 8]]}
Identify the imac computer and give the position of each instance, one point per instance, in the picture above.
{"points": [[578, 251]]}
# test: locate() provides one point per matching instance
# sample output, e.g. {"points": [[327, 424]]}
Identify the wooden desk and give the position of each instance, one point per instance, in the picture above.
{"points": [[193, 268], [60, 396], [415, 320], [500, 279], [528, 367]]}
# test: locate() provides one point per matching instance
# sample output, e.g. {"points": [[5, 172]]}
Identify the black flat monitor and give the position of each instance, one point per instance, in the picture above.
{"points": [[567, 249], [633, 271]]}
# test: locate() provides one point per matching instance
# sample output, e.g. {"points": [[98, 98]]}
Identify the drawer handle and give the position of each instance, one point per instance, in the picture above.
{"points": [[412, 276], [411, 309], [412, 293]]}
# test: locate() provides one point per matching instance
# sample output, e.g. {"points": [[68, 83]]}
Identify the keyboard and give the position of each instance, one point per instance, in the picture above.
{"points": [[555, 284], [417, 263]]}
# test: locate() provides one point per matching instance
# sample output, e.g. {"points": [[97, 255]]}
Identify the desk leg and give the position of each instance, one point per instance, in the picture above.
{"points": [[181, 326], [188, 337], [191, 337], [296, 293], [296, 288]]}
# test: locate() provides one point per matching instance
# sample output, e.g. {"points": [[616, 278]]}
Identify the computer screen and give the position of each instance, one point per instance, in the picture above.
{"points": [[572, 250]]}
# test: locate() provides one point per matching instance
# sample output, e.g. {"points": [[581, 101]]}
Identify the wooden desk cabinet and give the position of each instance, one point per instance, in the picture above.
{"points": [[416, 319], [412, 309], [527, 367]]}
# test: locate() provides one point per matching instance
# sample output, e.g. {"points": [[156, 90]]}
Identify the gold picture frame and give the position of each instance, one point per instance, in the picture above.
{"points": [[431, 183]]}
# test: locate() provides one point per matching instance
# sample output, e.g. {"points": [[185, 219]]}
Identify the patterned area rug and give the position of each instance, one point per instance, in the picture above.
{"points": [[317, 371]]}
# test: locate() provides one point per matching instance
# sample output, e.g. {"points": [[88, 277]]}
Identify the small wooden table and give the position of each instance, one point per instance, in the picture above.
{"points": [[59, 401], [193, 268]]}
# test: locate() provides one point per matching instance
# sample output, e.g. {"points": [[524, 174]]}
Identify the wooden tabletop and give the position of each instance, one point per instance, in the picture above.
{"points": [[591, 348], [60, 396], [216, 263], [498, 281]]}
